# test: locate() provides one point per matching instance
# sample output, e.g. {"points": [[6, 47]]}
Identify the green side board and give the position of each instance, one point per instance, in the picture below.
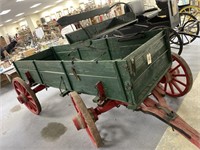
{"points": [[122, 66]]}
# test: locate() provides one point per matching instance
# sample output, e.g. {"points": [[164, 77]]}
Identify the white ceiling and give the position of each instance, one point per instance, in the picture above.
{"points": [[22, 7]]}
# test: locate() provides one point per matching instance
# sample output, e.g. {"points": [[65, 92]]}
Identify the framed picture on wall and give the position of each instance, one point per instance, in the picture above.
{"points": [[53, 16], [66, 11], [58, 14], [47, 18]]}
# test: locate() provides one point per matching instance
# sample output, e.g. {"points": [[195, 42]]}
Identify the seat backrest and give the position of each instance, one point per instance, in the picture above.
{"points": [[137, 6], [150, 4]]}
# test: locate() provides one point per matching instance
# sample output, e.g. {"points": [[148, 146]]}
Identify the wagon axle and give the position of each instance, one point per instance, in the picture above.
{"points": [[79, 121]]}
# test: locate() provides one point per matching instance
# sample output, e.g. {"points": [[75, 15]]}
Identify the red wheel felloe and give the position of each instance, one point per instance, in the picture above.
{"points": [[84, 119], [26, 96], [178, 80]]}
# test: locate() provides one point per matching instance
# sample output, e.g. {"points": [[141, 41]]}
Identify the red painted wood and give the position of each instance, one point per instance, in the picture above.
{"points": [[26, 96], [39, 88], [178, 80], [150, 106]]}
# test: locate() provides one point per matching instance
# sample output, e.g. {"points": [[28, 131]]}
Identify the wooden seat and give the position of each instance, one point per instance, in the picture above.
{"points": [[139, 9]]}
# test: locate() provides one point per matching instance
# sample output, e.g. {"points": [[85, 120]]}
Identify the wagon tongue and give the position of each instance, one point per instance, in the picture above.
{"points": [[161, 110]]}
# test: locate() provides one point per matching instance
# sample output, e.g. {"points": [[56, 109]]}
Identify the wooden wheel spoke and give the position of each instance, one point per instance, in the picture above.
{"points": [[176, 86], [182, 21], [165, 86], [30, 98], [18, 91], [188, 24], [174, 47], [180, 78], [172, 37], [19, 87], [175, 68], [26, 93], [32, 105], [181, 36], [184, 84], [171, 87], [186, 37], [179, 75]]}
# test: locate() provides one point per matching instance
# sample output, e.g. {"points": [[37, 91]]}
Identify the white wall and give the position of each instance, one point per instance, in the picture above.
{"points": [[1, 32], [34, 19], [11, 29]]}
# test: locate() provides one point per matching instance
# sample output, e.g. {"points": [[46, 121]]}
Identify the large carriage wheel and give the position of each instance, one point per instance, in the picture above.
{"points": [[175, 40], [178, 80], [26, 96], [194, 10], [85, 120], [188, 28]]}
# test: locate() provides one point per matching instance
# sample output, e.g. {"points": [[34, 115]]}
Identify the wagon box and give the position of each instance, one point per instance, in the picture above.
{"points": [[129, 70]]}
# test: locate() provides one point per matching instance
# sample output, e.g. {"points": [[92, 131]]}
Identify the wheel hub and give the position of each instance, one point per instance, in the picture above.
{"points": [[79, 122], [168, 77], [22, 98]]}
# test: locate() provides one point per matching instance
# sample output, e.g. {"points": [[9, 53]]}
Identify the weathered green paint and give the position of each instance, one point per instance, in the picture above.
{"points": [[68, 80], [146, 76], [39, 75], [120, 65], [19, 73], [48, 71]]}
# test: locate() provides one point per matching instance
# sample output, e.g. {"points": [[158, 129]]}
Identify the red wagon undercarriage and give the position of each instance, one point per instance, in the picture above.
{"points": [[86, 118]]}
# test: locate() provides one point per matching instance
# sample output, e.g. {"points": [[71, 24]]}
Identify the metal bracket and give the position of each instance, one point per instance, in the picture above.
{"points": [[170, 115], [101, 94], [131, 66], [31, 81], [75, 74], [63, 93]]}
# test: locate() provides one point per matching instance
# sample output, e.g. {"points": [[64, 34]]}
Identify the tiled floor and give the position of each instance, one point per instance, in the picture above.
{"points": [[53, 129]]}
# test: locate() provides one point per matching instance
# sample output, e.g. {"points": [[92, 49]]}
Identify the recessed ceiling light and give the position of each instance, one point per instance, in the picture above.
{"points": [[19, 0], [15, 22], [21, 19], [19, 14], [48, 6], [8, 20], [58, 1], [36, 5], [37, 11], [5, 12]]}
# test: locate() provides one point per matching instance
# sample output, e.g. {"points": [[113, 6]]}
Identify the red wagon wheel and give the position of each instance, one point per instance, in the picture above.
{"points": [[26, 96], [84, 119], [178, 80]]}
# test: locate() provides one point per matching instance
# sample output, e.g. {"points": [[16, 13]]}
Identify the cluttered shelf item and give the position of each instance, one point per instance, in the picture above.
{"points": [[7, 72]]}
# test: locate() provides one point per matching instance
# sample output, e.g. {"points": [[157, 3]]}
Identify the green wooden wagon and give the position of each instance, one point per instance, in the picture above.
{"points": [[118, 70]]}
